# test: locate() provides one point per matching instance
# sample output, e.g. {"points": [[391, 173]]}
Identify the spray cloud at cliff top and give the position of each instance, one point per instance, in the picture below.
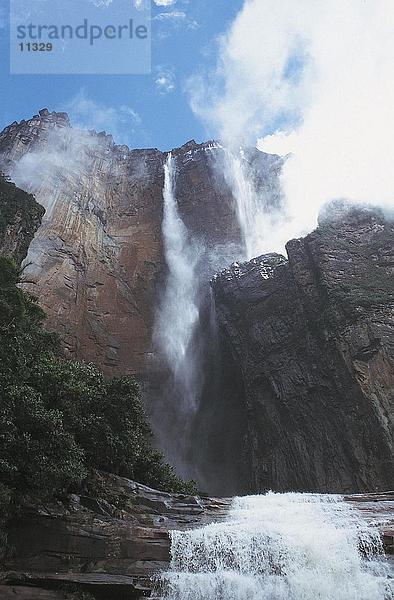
{"points": [[314, 80]]}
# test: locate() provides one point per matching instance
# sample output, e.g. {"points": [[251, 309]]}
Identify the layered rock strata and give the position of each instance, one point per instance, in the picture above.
{"points": [[110, 543]]}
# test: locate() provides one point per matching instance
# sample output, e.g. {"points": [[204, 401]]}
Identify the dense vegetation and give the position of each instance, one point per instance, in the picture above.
{"points": [[59, 419], [20, 215]]}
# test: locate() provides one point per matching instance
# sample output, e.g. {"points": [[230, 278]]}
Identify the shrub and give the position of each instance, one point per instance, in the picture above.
{"points": [[61, 419]]}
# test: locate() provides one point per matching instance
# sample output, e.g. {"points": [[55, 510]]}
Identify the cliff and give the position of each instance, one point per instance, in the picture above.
{"points": [[309, 345], [97, 260], [297, 394]]}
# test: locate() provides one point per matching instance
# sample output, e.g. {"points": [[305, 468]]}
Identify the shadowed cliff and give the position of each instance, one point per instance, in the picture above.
{"points": [[309, 344]]}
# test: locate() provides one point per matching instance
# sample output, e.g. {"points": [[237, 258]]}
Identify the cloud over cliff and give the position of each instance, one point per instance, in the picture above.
{"points": [[314, 79]]}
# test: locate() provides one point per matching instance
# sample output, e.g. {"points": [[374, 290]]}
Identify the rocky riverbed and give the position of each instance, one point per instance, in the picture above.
{"points": [[113, 540]]}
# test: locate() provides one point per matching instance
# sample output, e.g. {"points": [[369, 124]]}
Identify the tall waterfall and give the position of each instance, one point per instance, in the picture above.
{"points": [[176, 321], [280, 547], [179, 310]]}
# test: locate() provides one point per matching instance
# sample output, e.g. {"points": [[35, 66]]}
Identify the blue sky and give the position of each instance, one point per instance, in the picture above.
{"points": [[141, 110]]}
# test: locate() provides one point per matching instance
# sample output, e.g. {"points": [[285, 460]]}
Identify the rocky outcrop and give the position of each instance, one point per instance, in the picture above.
{"points": [[97, 260], [109, 542], [309, 344], [20, 217]]}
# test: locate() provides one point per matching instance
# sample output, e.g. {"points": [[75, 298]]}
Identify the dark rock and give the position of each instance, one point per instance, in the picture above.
{"points": [[11, 592], [111, 554], [312, 341]]}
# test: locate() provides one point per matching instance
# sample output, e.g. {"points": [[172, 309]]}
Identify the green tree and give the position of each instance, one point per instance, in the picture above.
{"points": [[59, 419]]}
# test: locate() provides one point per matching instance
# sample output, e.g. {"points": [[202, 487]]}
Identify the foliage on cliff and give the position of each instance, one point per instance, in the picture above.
{"points": [[20, 216], [60, 420]]}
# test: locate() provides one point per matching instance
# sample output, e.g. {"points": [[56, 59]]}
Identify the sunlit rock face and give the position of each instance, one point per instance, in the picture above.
{"points": [[99, 264], [309, 345], [96, 255], [97, 260]]}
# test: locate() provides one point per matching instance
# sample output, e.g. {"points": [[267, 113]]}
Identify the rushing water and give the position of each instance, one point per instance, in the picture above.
{"points": [[179, 310], [185, 340], [280, 547], [175, 331], [256, 215]]}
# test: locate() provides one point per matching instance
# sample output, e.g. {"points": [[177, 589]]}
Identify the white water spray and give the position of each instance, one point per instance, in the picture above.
{"points": [[256, 216], [179, 312], [280, 547]]}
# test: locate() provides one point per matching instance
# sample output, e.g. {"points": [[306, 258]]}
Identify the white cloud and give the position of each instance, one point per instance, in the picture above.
{"points": [[165, 80], [102, 3], [120, 121], [175, 18], [321, 73], [165, 2], [66, 149], [142, 4], [175, 15]]}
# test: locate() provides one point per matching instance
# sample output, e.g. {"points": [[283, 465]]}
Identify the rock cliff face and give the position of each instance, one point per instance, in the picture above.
{"points": [[310, 342], [97, 259], [300, 395]]}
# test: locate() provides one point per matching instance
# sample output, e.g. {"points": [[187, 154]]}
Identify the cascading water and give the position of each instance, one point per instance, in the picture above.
{"points": [[185, 336], [255, 213], [175, 326], [179, 311], [280, 547]]}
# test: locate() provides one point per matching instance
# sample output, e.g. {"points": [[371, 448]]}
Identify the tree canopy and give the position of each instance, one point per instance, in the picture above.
{"points": [[61, 419]]}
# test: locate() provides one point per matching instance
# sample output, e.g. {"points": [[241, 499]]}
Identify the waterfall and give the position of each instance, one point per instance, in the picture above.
{"points": [[247, 203], [280, 547], [175, 336], [179, 311], [257, 216]]}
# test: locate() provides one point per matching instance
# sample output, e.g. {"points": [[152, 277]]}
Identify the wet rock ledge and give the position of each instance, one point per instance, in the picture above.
{"points": [[110, 542]]}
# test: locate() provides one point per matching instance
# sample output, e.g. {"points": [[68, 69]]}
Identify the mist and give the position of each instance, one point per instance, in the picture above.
{"points": [[44, 167], [176, 330], [178, 314], [312, 81]]}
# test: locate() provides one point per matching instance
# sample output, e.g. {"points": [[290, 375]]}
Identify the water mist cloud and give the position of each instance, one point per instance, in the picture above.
{"points": [[314, 79], [64, 151], [179, 311]]}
